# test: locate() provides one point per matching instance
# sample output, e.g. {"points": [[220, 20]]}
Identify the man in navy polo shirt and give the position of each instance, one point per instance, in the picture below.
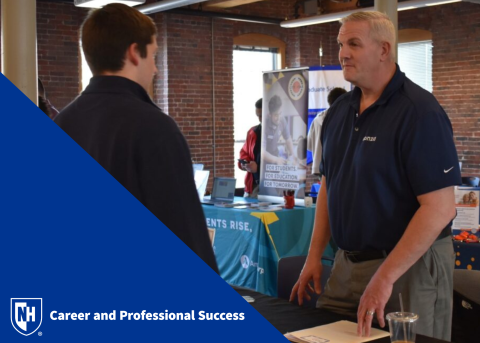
{"points": [[387, 195]]}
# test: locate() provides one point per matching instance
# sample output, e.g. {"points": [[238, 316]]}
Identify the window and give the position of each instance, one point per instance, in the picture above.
{"points": [[247, 89], [415, 56], [415, 60], [85, 70], [252, 55]]}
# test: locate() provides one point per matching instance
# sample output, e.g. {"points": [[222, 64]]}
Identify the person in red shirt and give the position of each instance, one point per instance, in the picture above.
{"points": [[250, 154]]}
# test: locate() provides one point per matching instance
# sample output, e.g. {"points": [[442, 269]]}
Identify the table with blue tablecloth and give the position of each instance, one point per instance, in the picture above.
{"points": [[249, 242]]}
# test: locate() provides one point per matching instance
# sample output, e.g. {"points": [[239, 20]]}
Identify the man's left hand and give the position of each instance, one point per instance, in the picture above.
{"points": [[373, 302]]}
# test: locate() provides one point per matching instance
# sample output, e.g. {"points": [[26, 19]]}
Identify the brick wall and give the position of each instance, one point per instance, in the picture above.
{"points": [[456, 71], [58, 50]]}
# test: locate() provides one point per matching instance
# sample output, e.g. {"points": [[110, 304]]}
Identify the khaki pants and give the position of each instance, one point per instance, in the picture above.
{"points": [[427, 288]]}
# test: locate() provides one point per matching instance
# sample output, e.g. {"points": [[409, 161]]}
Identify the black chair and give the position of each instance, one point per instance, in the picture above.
{"points": [[466, 306], [289, 269]]}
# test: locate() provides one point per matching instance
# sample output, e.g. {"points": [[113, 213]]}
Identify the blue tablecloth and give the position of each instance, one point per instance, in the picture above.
{"points": [[248, 243]]}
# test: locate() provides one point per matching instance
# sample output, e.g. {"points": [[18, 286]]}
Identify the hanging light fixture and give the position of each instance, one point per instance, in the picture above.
{"points": [[101, 3]]}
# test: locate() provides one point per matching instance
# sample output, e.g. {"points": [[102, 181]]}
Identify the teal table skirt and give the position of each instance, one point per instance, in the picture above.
{"points": [[248, 243]]}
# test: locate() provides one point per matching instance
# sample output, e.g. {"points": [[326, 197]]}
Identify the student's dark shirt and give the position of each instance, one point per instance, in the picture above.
{"points": [[115, 121]]}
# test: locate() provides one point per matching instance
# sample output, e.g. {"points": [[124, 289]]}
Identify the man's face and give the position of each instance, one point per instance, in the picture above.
{"points": [[359, 54], [258, 112], [275, 116], [147, 66]]}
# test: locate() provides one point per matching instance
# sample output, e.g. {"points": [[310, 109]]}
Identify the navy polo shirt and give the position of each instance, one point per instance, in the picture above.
{"points": [[377, 163]]}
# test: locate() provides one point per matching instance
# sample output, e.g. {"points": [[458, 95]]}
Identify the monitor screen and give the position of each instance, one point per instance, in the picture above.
{"points": [[223, 188]]}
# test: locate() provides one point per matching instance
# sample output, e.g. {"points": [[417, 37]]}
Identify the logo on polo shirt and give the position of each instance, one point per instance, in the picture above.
{"points": [[26, 314], [369, 139]]}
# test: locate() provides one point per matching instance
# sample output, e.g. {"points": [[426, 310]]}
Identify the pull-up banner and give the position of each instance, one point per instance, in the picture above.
{"points": [[284, 134]]}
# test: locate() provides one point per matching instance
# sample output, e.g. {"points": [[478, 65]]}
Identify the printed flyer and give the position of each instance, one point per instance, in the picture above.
{"points": [[468, 210]]}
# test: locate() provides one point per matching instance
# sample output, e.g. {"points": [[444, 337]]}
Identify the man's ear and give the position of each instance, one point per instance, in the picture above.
{"points": [[133, 55], [385, 53]]}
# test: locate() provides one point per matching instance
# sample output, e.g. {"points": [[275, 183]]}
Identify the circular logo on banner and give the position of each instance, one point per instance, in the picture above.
{"points": [[296, 87], [245, 261]]}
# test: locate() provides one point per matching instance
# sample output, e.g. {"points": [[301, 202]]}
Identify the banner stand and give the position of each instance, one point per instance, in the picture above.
{"points": [[284, 135]]}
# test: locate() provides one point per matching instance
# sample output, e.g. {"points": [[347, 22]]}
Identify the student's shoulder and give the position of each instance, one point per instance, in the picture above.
{"points": [[152, 116]]}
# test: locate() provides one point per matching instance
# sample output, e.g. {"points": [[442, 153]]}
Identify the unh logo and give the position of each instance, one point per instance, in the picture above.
{"points": [[245, 261], [26, 314]]}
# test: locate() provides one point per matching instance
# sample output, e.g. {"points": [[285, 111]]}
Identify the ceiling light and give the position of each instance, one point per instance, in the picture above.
{"points": [[166, 5], [327, 18], [101, 3], [441, 3]]}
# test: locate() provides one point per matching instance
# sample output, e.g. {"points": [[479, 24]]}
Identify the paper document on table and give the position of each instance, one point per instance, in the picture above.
{"points": [[339, 332]]}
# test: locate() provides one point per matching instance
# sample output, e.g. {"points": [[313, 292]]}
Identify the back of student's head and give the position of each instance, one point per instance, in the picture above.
{"points": [[108, 32], [259, 103], [335, 94]]}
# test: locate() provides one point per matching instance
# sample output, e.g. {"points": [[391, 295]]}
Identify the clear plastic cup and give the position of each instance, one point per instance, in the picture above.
{"points": [[402, 326]]}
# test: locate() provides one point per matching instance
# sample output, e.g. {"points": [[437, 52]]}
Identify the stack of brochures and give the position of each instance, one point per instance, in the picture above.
{"points": [[339, 332], [271, 208], [260, 204], [242, 204]]}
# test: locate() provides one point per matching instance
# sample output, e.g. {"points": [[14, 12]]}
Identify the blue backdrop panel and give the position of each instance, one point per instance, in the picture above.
{"points": [[71, 235]]}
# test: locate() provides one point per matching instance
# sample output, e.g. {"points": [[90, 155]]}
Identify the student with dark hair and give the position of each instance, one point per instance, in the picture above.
{"points": [[314, 144], [250, 153], [117, 123]]}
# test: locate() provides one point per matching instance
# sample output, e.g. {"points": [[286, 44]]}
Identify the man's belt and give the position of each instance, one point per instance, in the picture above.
{"points": [[369, 255], [366, 255]]}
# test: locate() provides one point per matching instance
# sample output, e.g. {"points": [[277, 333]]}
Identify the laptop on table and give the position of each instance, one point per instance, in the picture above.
{"points": [[223, 190]]}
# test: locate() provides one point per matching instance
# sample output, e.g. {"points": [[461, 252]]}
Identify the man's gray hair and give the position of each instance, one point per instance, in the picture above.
{"points": [[381, 27]]}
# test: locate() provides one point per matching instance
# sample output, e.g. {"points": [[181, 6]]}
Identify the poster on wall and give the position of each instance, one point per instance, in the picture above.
{"points": [[284, 135], [321, 80]]}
